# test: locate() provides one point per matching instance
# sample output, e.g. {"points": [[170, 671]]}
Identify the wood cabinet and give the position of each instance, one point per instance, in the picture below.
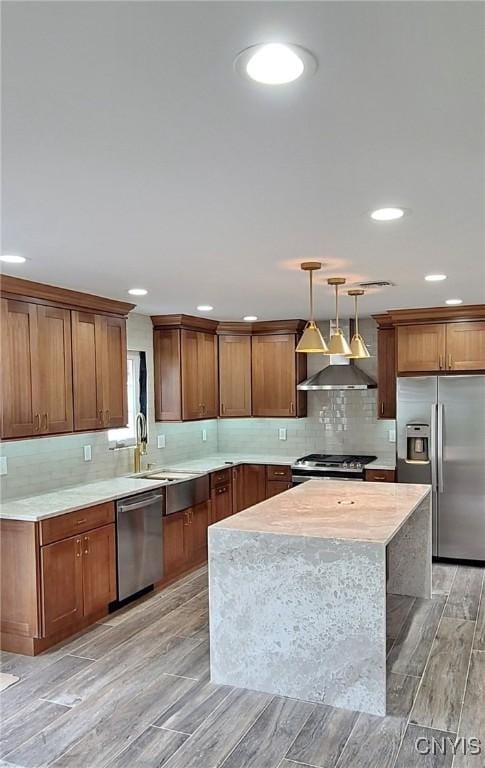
{"points": [[421, 348], [235, 376], [253, 484], [63, 368], [237, 489], [276, 370], [53, 584], [221, 502], [36, 369], [186, 380], [99, 371], [274, 487], [465, 346], [386, 373], [278, 479], [185, 540], [380, 475]]}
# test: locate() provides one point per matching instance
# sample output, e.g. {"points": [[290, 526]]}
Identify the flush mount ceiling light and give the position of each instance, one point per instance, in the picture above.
{"points": [[357, 345], [250, 318], [275, 63], [204, 308], [137, 292], [453, 302], [388, 214], [11, 258], [435, 278], [338, 343], [312, 340]]}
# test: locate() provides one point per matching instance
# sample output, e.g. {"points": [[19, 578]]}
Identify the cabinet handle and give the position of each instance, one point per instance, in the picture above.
{"points": [[279, 474], [81, 521], [450, 362], [46, 420], [86, 539], [108, 417], [78, 547], [101, 417], [223, 408], [379, 477], [37, 422], [441, 362], [292, 407], [186, 519], [382, 408]]}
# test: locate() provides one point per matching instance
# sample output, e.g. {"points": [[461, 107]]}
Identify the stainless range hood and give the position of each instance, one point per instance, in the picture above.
{"points": [[342, 373]]}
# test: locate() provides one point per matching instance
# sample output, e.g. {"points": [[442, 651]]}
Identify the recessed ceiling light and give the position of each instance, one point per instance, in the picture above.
{"points": [[452, 302], [250, 318], [10, 258], [205, 308], [138, 292], [435, 278], [387, 214], [275, 63]]}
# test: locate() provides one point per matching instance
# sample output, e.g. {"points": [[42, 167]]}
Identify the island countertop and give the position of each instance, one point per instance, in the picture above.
{"points": [[333, 509]]}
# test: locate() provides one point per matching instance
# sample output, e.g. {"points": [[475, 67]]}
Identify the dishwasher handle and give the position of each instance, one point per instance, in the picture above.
{"points": [[145, 502]]}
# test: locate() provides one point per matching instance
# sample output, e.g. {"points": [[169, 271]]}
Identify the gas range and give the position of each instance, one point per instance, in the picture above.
{"points": [[318, 466]]}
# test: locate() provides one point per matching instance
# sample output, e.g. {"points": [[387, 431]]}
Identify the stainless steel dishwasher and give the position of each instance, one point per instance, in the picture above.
{"points": [[139, 532]]}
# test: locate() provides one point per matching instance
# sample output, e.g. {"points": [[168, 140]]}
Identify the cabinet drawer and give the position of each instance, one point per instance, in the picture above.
{"points": [[380, 475], [221, 477], [278, 472], [63, 526]]}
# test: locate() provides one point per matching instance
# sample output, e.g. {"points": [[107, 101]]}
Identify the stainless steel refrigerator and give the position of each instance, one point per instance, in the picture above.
{"points": [[441, 441]]}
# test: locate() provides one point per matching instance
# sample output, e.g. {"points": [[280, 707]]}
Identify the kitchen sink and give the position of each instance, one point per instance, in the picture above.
{"points": [[184, 489], [172, 477]]}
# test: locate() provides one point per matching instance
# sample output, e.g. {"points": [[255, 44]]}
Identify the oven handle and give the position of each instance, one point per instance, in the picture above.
{"points": [[298, 479]]}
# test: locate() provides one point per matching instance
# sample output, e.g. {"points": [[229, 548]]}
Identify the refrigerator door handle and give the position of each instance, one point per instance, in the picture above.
{"points": [[441, 485], [433, 441]]}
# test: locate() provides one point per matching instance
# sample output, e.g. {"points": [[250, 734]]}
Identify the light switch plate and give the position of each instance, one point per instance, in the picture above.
{"points": [[392, 435], [282, 434], [161, 441], [87, 453], [3, 465], [204, 435]]}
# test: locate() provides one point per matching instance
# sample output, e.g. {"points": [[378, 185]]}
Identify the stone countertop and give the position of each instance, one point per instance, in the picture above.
{"points": [[35, 508], [333, 509], [381, 463], [222, 461]]}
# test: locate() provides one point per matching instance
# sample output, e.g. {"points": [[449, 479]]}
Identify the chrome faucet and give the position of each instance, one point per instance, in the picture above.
{"points": [[141, 440]]}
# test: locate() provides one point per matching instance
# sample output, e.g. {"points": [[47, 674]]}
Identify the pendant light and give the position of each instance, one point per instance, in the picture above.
{"points": [[312, 340], [357, 345], [338, 343]]}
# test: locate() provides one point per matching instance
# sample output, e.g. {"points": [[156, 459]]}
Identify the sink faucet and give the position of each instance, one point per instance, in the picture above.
{"points": [[141, 440]]}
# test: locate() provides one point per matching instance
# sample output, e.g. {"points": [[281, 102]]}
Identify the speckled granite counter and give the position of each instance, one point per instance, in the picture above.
{"points": [[298, 589], [55, 503], [222, 460]]}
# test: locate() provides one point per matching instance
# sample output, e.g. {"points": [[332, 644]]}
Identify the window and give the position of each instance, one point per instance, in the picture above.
{"points": [[125, 436]]}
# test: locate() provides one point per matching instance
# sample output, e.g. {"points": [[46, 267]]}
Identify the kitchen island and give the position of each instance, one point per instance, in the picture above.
{"points": [[298, 585]]}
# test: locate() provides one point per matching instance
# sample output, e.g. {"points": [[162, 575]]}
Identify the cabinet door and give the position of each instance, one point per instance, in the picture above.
{"points": [[167, 360], [114, 372], [87, 344], [221, 502], [237, 489], [235, 376], [199, 521], [386, 373], [274, 375], [254, 484], [62, 584], [55, 369], [191, 400], [207, 368], [175, 543], [274, 487], [421, 348], [465, 346], [19, 379], [99, 568]]}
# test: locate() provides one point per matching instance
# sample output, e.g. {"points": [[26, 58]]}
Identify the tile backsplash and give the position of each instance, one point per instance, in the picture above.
{"points": [[340, 421]]}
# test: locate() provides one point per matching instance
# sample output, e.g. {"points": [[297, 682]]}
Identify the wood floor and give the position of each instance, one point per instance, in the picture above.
{"points": [[135, 691]]}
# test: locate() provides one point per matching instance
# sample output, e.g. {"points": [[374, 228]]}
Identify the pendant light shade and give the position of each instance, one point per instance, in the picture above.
{"points": [[312, 340], [358, 346], [338, 344]]}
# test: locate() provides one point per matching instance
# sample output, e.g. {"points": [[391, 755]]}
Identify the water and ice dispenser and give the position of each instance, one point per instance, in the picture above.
{"points": [[418, 443]]}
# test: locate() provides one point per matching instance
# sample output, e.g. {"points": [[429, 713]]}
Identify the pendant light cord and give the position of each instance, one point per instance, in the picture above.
{"points": [[311, 295], [356, 318], [336, 308]]}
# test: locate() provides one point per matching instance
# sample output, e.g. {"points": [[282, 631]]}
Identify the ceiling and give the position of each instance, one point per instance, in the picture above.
{"points": [[134, 155]]}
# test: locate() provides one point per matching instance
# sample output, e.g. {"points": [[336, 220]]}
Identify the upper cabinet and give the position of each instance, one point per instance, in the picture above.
{"points": [[186, 381], [465, 346], [63, 366], [36, 369], [421, 347], [386, 373], [235, 375], [276, 370]]}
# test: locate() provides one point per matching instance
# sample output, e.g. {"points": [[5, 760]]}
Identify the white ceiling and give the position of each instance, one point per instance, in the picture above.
{"points": [[133, 154]]}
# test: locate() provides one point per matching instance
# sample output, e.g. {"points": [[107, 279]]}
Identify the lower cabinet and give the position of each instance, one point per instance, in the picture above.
{"points": [[380, 475], [274, 487], [221, 502], [254, 484], [185, 539]]}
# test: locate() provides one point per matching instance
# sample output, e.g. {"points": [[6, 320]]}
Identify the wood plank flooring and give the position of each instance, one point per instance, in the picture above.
{"points": [[135, 691]]}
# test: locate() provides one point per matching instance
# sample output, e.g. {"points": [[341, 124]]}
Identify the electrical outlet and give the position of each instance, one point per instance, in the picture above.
{"points": [[161, 441], [282, 434], [87, 453], [392, 435], [3, 465], [204, 435]]}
